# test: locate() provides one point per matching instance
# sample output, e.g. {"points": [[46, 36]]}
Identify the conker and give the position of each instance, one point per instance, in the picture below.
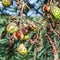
{"points": [[46, 8]]}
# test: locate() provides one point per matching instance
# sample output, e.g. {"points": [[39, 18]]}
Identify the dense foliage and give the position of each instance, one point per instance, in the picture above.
{"points": [[30, 38]]}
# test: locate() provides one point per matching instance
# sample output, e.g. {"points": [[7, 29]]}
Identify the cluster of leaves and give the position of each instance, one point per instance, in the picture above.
{"points": [[44, 52]]}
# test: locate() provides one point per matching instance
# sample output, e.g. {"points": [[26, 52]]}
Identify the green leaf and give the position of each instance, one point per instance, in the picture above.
{"points": [[3, 41], [42, 51], [1, 30]]}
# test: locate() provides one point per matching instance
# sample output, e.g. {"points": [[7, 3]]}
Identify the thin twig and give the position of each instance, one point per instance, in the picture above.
{"points": [[55, 52], [35, 51], [52, 30]]}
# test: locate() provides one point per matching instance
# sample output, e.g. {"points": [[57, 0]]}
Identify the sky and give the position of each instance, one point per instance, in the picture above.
{"points": [[13, 10]]}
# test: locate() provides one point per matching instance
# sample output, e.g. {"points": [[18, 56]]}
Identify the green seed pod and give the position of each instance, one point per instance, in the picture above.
{"points": [[12, 27], [26, 37], [55, 11], [6, 3]]}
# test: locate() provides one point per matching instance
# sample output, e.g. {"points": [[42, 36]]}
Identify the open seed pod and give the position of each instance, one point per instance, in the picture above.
{"points": [[25, 29], [18, 35], [33, 26]]}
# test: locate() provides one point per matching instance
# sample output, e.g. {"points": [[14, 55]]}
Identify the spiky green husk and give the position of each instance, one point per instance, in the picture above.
{"points": [[55, 11]]}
